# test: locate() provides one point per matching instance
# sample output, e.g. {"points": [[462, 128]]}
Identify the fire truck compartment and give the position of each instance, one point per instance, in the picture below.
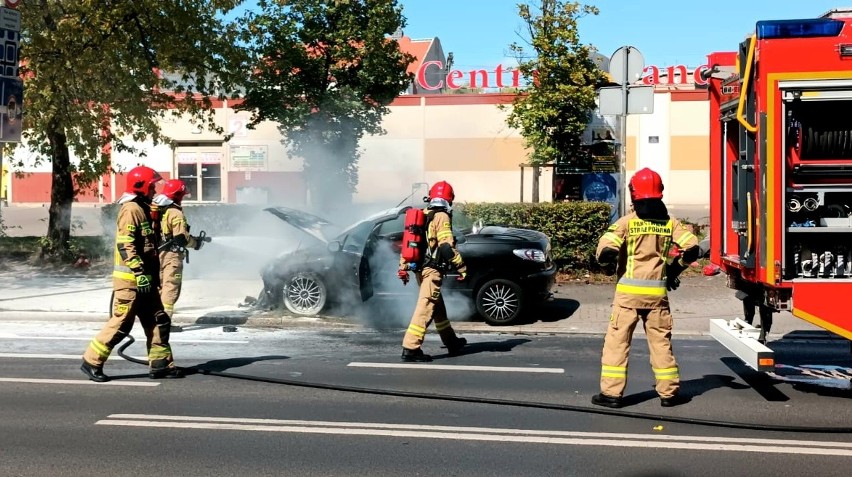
{"points": [[818, 140], [817, 205]]}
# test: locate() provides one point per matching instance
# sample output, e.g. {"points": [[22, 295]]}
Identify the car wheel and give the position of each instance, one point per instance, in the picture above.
{"points": [[305, 294], [500, 302]]}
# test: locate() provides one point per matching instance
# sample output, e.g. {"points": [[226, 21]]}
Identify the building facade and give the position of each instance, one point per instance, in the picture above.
{"points": [[461, 138]]}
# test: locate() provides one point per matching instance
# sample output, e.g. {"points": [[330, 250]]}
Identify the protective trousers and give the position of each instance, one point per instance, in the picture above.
{"points": [[658, 330], [171, 278], [430, 307], [127, 304]]}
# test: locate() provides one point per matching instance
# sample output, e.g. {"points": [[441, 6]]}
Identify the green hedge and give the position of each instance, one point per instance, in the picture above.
{"points": [[573, 227]]}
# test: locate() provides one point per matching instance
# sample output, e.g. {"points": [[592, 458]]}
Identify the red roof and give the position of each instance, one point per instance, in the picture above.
{"points": [[416, 48]]}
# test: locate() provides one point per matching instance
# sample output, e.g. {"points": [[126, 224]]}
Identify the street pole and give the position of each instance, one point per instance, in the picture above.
{"points": [[622, 135]]}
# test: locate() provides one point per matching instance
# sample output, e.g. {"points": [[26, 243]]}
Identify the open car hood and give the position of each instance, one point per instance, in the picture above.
{"points": [[310, 224]]}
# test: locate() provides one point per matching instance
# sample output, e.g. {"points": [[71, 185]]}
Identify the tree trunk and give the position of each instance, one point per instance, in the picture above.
{"points": [[327, 168], [535, 184], [61, 194], [329, 189]]}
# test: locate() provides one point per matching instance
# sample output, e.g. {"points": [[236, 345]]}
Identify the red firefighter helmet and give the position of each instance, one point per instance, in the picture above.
{"points": [[646, 184], [175, 190], [141, 178], [442, 190]]}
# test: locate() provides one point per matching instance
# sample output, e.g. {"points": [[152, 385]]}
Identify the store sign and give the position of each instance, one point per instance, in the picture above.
{"points": [[249, 158], [499, 78], [430, 77], [675, 75]]}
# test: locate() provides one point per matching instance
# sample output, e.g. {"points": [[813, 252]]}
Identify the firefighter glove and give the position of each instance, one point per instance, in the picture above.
{"points": [[462, 276], [403, 275], [672, 283], [673, 270], [143, 283], [609, 261]]}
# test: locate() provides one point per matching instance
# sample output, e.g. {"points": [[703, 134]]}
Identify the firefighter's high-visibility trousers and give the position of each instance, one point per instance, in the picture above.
{"points": [[658, 330], [171, 278], [430, 307], [126, 306]]}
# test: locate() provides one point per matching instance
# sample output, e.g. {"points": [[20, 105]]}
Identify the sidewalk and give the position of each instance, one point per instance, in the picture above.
{"points": [[30, 220], [29, 294]]}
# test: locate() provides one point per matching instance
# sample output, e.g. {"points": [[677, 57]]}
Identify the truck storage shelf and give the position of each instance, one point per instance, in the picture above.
{"points": [[813, 230], [803, 189]]}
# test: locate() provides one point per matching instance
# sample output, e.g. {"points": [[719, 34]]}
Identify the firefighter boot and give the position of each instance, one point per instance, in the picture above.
{"points": [[673, 401], [454, 348], [95, 373], [415, 356], [169, 373], [607, 401]]}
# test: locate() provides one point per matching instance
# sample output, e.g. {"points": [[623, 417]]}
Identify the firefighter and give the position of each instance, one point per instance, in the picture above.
{"points": [[636, 247], [175, 231], [440, 257], [135, 283]]}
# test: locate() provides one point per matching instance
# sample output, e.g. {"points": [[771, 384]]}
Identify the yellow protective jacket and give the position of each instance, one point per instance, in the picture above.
{"points": [[643, 248], [441, 250], [173, 224], [135, 244]]}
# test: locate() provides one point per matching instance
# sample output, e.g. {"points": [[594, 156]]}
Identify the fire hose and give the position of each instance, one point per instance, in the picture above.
{"points": [[497, 402]]}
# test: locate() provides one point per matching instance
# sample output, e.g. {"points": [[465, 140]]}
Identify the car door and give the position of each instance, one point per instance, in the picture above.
{"points": [[383, 255], [352, 260]]}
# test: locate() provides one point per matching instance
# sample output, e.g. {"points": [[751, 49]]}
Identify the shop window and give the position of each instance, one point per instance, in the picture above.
{"points": [[188, 173], [211, 178], [200, 168]]}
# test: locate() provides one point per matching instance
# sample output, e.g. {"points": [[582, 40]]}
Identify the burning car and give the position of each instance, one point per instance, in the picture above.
{"points": [[509, 269]]}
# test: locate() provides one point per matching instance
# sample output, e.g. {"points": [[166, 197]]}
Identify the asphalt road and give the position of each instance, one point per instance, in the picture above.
{"points": [[512, 405]]}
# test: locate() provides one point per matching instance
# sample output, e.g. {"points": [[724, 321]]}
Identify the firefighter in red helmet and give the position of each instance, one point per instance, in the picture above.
{"points": [[439, 258], [636, 248], [176, 239], [135, 280]]}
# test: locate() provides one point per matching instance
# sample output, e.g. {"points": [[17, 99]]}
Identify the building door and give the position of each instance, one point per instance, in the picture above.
{"points": [[200, 168]]}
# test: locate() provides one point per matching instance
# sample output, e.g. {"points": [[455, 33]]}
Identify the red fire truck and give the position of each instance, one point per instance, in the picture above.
{"points": [[781, 178]]}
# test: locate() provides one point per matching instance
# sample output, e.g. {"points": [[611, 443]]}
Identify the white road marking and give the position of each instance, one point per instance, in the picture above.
{"points": [[89, 338], [76, 381], [504, 369], [730, 444], [58, 356]]}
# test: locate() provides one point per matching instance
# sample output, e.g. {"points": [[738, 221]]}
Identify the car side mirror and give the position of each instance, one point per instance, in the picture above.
{"points": [[334, 246]]}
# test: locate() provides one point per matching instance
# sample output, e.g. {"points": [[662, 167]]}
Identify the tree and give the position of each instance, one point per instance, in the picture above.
{"points": [[555, 109], [325, 71], [101, 73]]}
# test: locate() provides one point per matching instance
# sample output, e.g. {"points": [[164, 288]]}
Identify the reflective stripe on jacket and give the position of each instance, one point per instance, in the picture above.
{"points": [[643, 247]]}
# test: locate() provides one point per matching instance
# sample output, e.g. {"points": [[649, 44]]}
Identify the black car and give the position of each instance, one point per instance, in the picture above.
{"points": [[509, 269]]}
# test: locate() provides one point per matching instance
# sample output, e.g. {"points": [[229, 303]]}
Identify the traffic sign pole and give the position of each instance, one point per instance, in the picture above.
{"points": [[626, 66], [622, 134]]}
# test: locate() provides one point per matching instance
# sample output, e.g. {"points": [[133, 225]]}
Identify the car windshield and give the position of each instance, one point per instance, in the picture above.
{"points": [[461, 222], [355, 237]]}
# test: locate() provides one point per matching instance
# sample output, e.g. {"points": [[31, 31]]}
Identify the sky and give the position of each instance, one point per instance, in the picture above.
{"points": [[667, 32]]}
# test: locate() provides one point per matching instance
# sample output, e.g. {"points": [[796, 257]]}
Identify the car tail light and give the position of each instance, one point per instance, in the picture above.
{"points": [[531, 254]]}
